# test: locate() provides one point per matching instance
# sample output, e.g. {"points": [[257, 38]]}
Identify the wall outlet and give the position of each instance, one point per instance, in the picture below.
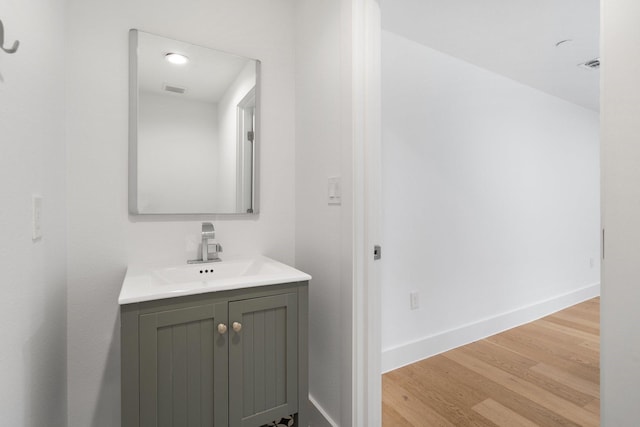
{"points": [[415, 300], [334, 195]]}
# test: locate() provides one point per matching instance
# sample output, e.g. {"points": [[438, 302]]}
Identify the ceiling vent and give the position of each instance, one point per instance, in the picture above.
{"points": [[594, 64], [174, 89]]}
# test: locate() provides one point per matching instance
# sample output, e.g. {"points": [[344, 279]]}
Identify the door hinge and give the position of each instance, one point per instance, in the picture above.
{"points": [[377, 252], [250, 135]]}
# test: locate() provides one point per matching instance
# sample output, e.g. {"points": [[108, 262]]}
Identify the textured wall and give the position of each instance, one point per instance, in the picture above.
{"points": [[32, 161], [324, 233]]}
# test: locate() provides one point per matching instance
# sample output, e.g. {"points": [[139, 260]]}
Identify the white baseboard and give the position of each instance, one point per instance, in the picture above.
{"points": [[412, 352], [318, 417]]}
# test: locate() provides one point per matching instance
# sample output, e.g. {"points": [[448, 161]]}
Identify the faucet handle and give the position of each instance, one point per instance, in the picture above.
{"points": [[208, 232]]}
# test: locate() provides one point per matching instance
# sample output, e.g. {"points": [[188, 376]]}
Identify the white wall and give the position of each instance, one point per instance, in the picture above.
{"points": [[490, 202], [32, 158], [178, 141], [620, 316], [324, 233], [103, 239]]}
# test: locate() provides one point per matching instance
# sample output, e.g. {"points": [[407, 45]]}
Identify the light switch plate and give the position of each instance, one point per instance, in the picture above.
{"points": [[334, 191], [415, 300], [36, 217]]}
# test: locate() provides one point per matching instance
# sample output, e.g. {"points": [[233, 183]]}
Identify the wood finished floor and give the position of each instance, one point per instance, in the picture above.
{"points": [[545, 373]]}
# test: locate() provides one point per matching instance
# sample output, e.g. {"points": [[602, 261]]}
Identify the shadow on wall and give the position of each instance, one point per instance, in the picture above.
{"points": [[45, 363], [106, 413]]}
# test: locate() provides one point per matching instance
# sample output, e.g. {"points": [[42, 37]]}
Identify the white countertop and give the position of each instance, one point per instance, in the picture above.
{"points": [[148, 283]]}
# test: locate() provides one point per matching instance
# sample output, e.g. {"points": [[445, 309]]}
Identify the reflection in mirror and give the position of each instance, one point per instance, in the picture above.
{"points": [[193, 115]]}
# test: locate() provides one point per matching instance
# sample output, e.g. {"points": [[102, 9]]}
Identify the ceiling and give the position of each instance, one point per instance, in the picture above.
{"points": [[514, 38], [205, 77]]}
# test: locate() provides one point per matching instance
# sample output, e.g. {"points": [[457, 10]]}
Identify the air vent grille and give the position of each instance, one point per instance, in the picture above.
{"points": [[594, 64], [174, 89]]}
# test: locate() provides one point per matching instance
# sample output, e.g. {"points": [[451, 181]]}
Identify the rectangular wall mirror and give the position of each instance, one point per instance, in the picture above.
{"points": [[193, 127]]}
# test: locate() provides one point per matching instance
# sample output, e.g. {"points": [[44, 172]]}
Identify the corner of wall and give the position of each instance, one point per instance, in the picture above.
{"points": [[397, 357], [318, 417]]}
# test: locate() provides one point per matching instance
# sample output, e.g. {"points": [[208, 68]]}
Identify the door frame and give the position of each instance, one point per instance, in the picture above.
{"points": [[366, 121], [248, 102]]}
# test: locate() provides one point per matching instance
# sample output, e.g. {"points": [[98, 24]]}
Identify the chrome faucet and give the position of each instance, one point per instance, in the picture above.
{"points": [[209, 251]]}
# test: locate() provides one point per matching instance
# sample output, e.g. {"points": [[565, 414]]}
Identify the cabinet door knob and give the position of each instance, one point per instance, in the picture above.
{"points": [[222, 328], [237, 326]]}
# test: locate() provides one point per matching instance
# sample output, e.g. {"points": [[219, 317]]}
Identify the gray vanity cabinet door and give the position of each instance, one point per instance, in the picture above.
{"points": [[263, 359], [183, 367]]}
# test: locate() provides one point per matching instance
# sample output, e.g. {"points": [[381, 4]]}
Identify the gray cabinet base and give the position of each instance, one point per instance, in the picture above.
{"points": [[178, 369]]}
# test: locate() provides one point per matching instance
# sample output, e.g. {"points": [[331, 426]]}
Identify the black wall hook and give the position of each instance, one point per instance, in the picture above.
{"points": [[16, 43]]}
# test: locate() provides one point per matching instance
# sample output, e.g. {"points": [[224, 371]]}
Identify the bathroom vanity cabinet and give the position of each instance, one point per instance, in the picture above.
{"points": [[233, 358]]}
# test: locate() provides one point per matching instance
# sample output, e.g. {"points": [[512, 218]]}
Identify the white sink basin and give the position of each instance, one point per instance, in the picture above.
{"points": [[144, 283]]}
